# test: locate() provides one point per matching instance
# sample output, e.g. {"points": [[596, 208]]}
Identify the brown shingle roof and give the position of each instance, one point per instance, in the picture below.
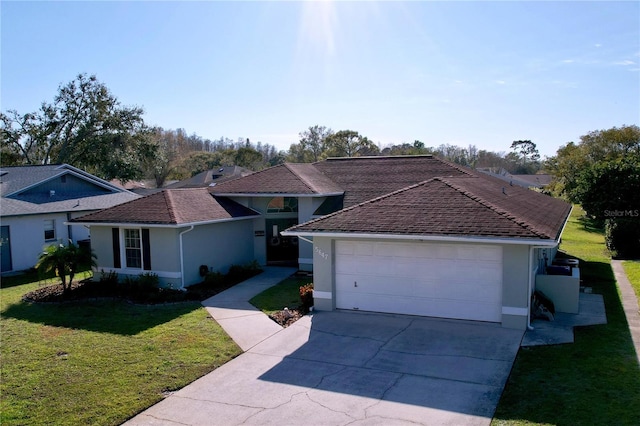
{"points": [[171, 207], [452, 206], [280, 179], [370, 177]]}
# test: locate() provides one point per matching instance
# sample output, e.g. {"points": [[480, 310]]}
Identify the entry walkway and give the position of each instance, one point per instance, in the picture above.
{"points": [[242, 321]]}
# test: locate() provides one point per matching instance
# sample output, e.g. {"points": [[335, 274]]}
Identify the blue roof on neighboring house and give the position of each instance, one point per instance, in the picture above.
{"points": [[22, 191]]}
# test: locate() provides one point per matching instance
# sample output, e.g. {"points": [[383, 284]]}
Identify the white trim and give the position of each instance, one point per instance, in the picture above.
{"points": [[130, 271], [305, 260], [322, 294], [157, 225], [276, 194], [512, 310], [484, 240]]}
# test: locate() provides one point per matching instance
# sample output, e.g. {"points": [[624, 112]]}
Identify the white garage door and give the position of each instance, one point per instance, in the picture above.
{"points": [[428, 279]]}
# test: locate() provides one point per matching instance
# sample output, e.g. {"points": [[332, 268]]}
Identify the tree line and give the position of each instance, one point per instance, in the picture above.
{"points": [[86, 126]]}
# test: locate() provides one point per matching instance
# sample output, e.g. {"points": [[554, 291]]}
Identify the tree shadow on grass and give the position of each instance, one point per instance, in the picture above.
{"points": [[591, 225], [591, 381], [102, 316]]}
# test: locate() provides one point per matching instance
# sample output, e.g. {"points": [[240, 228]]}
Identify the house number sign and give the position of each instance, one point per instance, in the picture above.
{"points": [[322, 254]]}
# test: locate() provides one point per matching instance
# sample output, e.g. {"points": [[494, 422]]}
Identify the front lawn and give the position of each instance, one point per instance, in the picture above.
{"points": [[632, 269], [98, 362], [594, 381], [285, 294]]}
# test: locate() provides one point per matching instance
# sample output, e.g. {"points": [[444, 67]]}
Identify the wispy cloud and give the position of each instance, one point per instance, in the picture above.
{"points": [[624, 63]]}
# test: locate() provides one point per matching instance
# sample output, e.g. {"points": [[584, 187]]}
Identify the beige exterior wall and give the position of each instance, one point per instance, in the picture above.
{"points": [[218, 246]]}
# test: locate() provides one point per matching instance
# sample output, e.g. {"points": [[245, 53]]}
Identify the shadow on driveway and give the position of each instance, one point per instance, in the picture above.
{"points": [[409, 369]]}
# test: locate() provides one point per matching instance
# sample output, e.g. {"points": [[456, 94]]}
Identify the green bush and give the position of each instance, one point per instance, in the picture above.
{"points": [[306, 297], [622, 236]]}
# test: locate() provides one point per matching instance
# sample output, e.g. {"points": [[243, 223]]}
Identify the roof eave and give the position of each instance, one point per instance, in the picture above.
{"points": [[160, 225], [437, 238], [274, 194]]}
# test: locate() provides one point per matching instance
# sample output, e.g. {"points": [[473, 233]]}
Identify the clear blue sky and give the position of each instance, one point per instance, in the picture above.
{"points": [[482, 73]]}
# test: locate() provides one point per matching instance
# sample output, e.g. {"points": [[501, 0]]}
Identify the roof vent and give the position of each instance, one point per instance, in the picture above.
{"points": [[52, 193]]}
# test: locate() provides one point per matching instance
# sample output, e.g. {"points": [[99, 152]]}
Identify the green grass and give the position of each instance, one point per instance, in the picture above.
{"points": [[594, 381], [284, 294], [98, 362], [632, 269]]}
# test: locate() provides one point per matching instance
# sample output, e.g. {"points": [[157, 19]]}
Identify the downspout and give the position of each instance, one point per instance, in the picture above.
{"points": [[529, 289], [182, 258]]}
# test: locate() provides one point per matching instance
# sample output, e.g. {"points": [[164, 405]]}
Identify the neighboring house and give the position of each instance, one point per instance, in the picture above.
{"points": [[211, 177], [36, 203], [525, 181], [411, 235]]}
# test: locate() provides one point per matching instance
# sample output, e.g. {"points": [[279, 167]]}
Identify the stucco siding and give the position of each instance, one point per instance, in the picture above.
{"points": [[323, 274], [218, 246], [165, 250], [102, 246]]}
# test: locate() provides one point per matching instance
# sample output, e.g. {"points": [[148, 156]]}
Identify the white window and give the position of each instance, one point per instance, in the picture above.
{"points": [[49, 230], [133, 248]]}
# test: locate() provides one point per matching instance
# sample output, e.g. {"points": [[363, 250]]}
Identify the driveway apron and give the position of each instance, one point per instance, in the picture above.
{"points": [[356, 368]]}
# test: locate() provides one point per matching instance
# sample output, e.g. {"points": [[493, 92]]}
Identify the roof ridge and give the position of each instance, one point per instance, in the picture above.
{"points": [[168, 198], [502, 212], [300, 177], [455, 166]]}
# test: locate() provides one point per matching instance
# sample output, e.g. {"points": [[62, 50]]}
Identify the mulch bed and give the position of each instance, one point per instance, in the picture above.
{"points": [[286, 318]]}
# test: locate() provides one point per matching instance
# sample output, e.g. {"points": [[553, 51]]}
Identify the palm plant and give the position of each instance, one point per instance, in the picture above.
{"points": [[65, 260]]}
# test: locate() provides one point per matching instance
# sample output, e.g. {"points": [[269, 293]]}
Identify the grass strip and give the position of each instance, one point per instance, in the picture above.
{"points": [[284, 294], [632, 269]]}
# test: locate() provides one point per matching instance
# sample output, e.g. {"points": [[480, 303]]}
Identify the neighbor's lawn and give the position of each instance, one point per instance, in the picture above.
{"points": [[594, 381], [98, 362], [284, 294], [632, 269]]}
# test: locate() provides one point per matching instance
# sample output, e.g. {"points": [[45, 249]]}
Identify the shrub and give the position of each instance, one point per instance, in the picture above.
{"points": [[306, 297], [109, 279], [622, 236]]}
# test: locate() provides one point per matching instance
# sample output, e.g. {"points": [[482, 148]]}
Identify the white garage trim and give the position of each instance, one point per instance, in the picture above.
{"points": [[462, 281], [322, 294], [512, 310]]}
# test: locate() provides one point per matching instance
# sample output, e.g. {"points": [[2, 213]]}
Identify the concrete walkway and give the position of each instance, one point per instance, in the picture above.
{"points": [[629, 303], [242, 321]]}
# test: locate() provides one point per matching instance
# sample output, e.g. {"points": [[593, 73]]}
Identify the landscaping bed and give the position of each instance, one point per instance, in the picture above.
{"points": [[143, 289]]}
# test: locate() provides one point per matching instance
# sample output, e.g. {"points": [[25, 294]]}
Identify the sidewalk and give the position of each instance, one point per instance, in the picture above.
{"points": [[629, 303], [246, 325]]}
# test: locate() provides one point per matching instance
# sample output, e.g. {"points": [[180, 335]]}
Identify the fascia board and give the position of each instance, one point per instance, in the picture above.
{"points": [[161, 225], [436, 238]]}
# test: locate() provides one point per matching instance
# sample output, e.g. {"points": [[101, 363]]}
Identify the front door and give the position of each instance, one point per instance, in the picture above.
{"points": [[5, 249], [281, 250]]}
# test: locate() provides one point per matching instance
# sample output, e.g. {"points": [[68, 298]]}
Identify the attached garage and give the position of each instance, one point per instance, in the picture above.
{"points": [[461, 281]]}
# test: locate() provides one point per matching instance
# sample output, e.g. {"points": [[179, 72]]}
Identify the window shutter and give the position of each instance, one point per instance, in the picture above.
{"points": [[146, 250], [115, 234]]}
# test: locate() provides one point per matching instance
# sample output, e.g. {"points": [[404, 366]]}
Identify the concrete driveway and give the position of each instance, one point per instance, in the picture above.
{"points": [[339, 368]]}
